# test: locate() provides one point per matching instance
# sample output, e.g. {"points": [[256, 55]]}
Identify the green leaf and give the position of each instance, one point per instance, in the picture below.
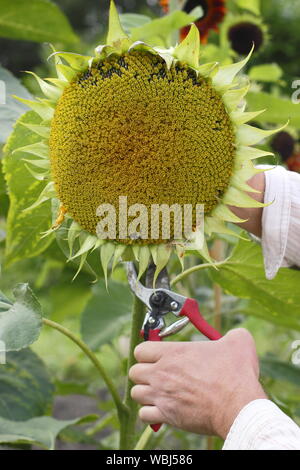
{"points": [[12, 109], [74, 388], [256, 309], [278, 370], [162, 27], [73, 434], [265, 73], [133, 20], [278, 110], [21, 320], [37, 20], [243, 275], [250, 5], [41, 431], [105, 314], [26, 390], [24, 228], [4, 202], [69, 299]]}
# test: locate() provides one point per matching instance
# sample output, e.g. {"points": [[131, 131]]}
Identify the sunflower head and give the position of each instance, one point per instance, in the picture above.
{"points": [[214, 12], [244, 31], [155, 126]]}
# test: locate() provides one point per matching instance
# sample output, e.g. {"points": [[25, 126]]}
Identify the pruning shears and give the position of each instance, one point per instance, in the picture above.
{"points": [[161, 301]]}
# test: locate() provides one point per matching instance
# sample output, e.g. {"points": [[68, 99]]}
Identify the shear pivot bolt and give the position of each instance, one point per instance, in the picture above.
{"points": [[174, 305], [157, 296], [151, 320]]}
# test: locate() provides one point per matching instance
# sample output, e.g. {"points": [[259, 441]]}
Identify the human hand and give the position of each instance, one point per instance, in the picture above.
{"points": [[196, 386]]}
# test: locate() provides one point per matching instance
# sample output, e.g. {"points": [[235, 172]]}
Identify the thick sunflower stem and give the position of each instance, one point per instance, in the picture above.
{"points": [[128, 421]]}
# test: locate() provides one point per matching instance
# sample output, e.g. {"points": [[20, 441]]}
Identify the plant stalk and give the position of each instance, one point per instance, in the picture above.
{"points": [[128, 422], [144, 438], [100, 425], [193, 269]]}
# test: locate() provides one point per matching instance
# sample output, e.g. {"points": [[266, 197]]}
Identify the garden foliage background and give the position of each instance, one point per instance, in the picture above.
{"points": [[53, 384]]}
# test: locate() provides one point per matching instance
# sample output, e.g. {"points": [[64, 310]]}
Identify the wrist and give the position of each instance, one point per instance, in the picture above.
{"points": [[234, 405]]}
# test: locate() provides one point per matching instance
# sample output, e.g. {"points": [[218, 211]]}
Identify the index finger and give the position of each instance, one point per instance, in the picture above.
{"points": [[152, 351]]}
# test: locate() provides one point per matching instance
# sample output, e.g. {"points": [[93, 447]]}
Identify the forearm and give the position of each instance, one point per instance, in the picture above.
{"points": [[277, 224], [253, 216]]}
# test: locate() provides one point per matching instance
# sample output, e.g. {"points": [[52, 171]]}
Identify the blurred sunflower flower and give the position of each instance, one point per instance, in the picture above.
{"points": [[243, 31], [149, 123], [213, 14]]}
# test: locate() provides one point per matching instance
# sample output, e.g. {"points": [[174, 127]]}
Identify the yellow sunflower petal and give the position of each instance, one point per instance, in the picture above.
{"points": [[106, 254], [116, 36], [40, 149], [50, 91], [189, 49], [248, 135], [144, 259], [162, 257], [41, 108], [43, 131], [47, 194], [227, 73]]}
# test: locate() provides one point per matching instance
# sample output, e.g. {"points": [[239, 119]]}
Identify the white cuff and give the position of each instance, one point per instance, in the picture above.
{"points": [[261, 425], [276, 219]]}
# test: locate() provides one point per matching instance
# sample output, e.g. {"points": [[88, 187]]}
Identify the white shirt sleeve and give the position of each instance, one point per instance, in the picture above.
{"points": [[281, 220], [261, 425]]}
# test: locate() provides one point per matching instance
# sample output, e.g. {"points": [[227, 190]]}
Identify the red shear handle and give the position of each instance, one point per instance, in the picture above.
{"points": [[153, 335], [191, 310]]}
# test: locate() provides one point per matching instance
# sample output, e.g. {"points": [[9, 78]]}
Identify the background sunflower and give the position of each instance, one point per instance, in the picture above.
{"points": [[214, 12]]}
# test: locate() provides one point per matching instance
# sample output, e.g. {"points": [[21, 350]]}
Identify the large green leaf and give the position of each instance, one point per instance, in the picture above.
{"points": [[278, 110], [21, 320], [69, 298], [41, 431], [26, 390], [278, 370], [133, 20], [243, 276], [72, 388], [163, 27], [34, 20], [4, 203], [24, 228], [265, 73], [106, 313], [12, 109], [257, 309]]}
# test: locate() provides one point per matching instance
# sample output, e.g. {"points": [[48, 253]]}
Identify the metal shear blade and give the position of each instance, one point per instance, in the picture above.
{"points": [[173, 303]]}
